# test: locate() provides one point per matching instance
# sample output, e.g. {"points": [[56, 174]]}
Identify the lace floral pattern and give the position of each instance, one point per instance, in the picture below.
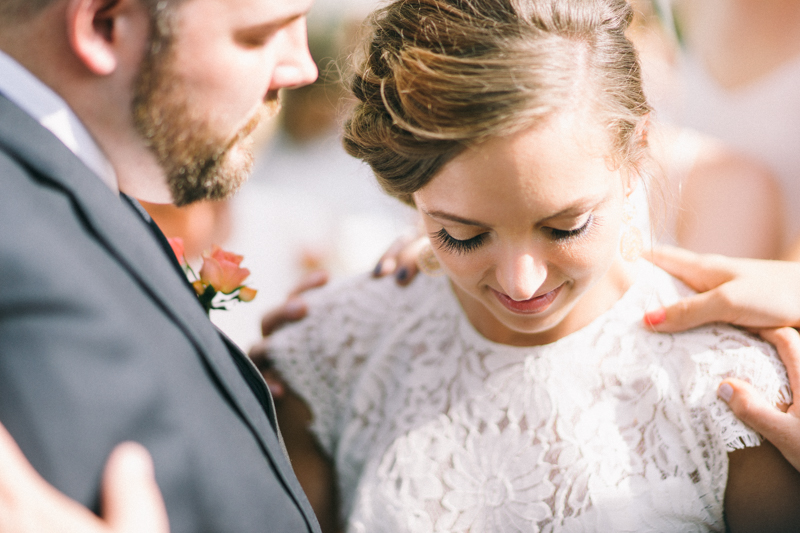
{"points": [[434, 428]]}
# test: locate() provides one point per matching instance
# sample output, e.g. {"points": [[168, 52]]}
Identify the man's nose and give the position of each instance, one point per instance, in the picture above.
{"points": [[295, 66]]}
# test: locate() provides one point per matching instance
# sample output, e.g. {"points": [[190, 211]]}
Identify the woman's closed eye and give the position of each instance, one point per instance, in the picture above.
{"points": [[565, 235], [450, 244]]}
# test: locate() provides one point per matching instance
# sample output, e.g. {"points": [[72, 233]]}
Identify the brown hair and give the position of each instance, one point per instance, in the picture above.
{"points": [[438, 76], [18, 10]]}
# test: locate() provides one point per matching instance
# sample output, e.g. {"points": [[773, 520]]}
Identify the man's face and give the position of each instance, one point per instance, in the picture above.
{"points": [[211, 75]]}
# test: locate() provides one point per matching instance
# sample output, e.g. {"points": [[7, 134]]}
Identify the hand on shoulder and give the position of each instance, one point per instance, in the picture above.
{"points": [[758, 294], [751, 293]]}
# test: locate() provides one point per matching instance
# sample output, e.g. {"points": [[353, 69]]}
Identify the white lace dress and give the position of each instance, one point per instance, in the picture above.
{"points": [[434, 428]]}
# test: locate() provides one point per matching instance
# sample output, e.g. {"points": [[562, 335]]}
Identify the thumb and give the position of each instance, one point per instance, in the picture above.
{"points": [[132, 502], [781, 429], [687, 313]]}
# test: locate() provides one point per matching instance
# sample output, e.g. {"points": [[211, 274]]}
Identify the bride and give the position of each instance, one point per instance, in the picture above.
{"points": [[520, 391]]}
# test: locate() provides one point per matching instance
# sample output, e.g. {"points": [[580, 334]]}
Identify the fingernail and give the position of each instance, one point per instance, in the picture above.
{"points": [[377, 270], [654, 318], [402, 274], [725, 391]]}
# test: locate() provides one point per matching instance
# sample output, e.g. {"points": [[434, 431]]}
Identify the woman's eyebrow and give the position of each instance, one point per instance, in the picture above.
{"points": [[454, 218], [575, 209], [578, 208]]}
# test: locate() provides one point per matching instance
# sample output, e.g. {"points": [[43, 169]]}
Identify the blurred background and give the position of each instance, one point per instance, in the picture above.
{"points": [[723, 77]]}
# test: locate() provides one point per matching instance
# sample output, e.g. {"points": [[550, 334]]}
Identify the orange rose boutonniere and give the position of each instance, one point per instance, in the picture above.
{"points": [[220, 280]]}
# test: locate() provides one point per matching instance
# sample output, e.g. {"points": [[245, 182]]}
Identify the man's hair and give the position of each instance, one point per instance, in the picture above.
{"points": [[17, 10], [12, 11]]}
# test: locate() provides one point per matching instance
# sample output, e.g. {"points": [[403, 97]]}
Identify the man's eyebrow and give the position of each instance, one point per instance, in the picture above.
{"points": [[272, 24]]}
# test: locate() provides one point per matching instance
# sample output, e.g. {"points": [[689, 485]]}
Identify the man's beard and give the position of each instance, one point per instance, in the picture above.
{"points": [[200, 164]]}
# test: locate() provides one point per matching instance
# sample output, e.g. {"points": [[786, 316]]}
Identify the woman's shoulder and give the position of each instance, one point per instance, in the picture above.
{"points": [[348, 317], [661, 289], [700, 358], [365, 284], [363, 298], [324, 356]]}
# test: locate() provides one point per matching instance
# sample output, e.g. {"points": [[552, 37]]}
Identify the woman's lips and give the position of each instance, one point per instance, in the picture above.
{"points": [[537, 304]]}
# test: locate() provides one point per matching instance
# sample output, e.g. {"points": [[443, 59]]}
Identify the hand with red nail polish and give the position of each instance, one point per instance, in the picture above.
{"points": [[757, 294], [746, 292]]}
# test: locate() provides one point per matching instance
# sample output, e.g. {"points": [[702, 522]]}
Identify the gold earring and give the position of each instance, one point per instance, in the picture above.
{"points": [[631, 244], [427, 262]]}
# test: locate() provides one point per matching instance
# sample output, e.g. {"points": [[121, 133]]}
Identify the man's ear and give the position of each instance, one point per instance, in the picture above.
{"points": [[93, 30]]}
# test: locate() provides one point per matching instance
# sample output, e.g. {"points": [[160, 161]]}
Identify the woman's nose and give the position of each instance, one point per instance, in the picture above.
{"points": [[521, 275]]}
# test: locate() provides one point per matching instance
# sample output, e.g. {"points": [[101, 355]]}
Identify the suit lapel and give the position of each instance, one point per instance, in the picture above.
{"points": [[128, 239]]}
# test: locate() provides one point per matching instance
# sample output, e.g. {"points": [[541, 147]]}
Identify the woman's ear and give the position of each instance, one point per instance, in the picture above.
{"points": [[640, 138], [630, 180], [642, 131], [93, 28]]}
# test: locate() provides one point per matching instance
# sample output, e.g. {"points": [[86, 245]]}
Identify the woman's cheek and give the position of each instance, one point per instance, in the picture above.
{"points": [[463, 269], [588, 260]]}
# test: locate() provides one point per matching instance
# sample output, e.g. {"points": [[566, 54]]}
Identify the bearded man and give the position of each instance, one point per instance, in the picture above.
{"points": [[101, 338]]}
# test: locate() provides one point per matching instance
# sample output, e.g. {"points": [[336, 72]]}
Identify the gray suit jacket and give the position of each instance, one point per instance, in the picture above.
{"points": [[101, 341]]}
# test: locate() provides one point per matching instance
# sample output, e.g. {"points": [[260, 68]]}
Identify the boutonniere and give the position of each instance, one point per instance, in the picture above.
{"points": [[220, 280]]}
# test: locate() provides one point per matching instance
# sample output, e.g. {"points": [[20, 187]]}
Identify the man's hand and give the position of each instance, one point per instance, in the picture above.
{"points": [[131, 499], [747, 292]]}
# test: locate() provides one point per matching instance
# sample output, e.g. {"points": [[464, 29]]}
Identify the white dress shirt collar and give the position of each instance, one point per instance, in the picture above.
{"points": [[51, 111]]}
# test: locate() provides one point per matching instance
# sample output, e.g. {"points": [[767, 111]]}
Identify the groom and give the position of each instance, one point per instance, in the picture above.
{"points": [[101, 338]]}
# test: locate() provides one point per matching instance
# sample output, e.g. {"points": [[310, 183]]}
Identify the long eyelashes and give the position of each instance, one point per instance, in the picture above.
{"points": [[565, 235], [449, 244]]}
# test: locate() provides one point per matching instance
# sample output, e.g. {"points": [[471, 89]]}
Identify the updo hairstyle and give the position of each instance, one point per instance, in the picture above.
{"points": [[439, 76]]}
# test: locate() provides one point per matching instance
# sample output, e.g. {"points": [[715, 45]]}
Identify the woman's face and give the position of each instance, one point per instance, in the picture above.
{"points": [[527, 227]]}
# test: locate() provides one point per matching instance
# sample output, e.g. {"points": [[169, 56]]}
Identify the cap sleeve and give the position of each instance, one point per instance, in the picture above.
{"points": [[733, 353], [322, 356]]}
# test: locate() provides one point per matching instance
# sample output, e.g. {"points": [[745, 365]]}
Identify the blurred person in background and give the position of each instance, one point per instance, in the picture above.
{"points": [[201, 224], [736, 78], [713, 198]]}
